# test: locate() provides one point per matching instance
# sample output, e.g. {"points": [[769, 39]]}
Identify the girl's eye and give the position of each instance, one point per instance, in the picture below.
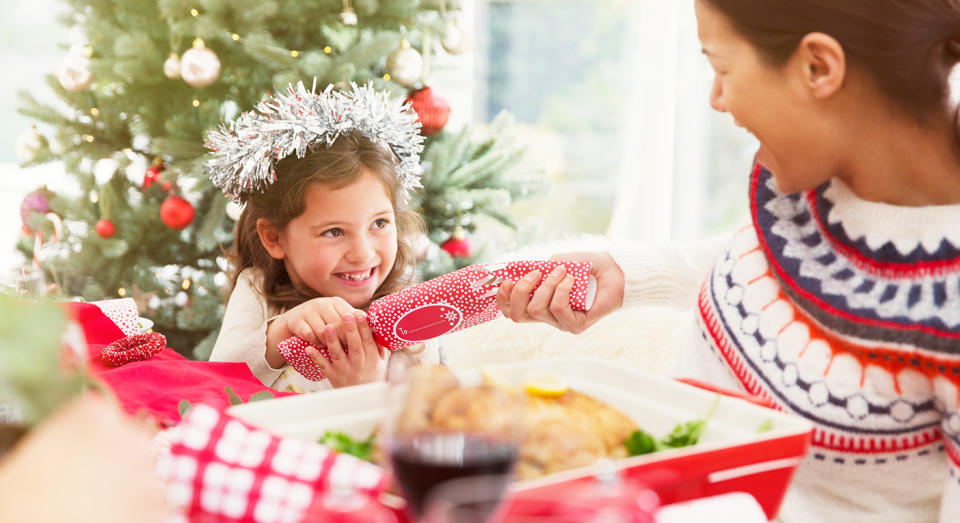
{"points": [[336, 231], [381, 223]]}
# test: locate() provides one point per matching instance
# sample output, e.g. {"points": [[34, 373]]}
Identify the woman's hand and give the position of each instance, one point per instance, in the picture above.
{"points": [[359, 363], [551, 301]]}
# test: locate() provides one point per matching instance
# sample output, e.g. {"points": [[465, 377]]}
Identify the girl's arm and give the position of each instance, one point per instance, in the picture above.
{"points": [[243, 334]]}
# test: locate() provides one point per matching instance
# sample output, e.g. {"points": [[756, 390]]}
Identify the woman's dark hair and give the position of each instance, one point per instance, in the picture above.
{"points": [[909, 46], [335, 166]]}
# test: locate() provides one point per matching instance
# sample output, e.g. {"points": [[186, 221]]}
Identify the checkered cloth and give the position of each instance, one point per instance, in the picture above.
{"points": [[219, 468]]}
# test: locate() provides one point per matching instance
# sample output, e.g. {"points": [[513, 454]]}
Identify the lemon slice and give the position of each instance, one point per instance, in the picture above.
{"points": [[546, 385]]}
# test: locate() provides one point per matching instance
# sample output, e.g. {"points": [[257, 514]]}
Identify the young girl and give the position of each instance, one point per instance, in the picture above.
{"points": [[324, 231], [840, 302]]}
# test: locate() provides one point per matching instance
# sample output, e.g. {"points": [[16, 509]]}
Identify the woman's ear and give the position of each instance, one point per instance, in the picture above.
{"points": [[823, 64], [270, 238]]}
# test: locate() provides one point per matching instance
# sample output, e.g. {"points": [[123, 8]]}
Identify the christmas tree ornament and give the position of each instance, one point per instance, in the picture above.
{"points": [[105, 228], [30, 144], [181, 299], [432, 110], [74, 72], [153, 173], [176, 212], [348, 16], [459, 245], [171, 66], [245, 151], [234, 210], [34, 203], [454, 39], [199, 66], [405, 64]]}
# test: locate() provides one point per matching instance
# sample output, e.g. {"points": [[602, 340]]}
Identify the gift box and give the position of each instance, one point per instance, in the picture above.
{"points": [[219, 468], [745, 446], [452, 302]]}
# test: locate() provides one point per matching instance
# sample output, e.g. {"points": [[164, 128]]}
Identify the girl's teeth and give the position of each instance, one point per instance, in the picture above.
{"points": [[356, 277]]}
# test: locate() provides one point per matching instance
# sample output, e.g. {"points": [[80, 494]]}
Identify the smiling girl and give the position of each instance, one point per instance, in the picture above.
{"points": [[327, 234]]}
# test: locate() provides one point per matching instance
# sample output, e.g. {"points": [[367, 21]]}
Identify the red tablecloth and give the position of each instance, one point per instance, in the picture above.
{"points": [[157, 385]]}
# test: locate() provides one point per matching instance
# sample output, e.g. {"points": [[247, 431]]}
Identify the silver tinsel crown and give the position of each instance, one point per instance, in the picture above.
{"points": [[246, 152]]}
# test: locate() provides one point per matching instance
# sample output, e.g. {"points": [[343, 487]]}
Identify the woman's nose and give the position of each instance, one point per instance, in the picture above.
{"points": [[716, 97]]}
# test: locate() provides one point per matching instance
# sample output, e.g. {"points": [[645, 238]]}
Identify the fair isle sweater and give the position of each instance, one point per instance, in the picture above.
{"points": [[847, 313]]}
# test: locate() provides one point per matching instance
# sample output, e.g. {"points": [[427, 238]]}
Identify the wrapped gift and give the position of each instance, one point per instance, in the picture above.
{"points": [[219, 468], [454, 301]]}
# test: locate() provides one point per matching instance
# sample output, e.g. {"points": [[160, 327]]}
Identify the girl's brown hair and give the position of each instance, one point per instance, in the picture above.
{"points": [[909, 47], [335, 166]]}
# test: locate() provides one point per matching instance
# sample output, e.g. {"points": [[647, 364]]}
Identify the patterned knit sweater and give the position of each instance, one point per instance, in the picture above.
{"points": [[845, 312]]}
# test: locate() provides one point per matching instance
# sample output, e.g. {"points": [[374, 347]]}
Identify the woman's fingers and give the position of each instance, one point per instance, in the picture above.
{"points": [[520, 296], [542, 300]]}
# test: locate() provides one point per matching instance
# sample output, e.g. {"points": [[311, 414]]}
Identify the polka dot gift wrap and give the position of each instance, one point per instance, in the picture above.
{"points": [[454, 301]]}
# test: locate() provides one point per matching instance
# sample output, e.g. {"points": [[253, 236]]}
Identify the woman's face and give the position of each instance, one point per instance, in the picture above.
{"points": [[772, 103], [345, 242]]}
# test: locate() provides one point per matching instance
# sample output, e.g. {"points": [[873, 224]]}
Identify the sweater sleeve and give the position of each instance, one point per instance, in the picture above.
{"points": [[665, 274], [243, 335]]}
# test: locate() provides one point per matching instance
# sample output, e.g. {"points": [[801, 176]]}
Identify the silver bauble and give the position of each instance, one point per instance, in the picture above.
{"points": [[171, 66], [199, 66], [454, 40], [405, 64], [74, 72]]}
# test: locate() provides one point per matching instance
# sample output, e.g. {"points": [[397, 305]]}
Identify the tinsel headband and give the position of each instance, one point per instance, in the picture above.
{"points": [[246, 152]]}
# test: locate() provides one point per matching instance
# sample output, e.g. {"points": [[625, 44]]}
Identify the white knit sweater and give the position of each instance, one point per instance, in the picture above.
{"points": [[845, 312]]}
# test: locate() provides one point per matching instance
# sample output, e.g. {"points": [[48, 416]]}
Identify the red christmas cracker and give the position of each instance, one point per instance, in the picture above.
{"points": [[448, 303]]}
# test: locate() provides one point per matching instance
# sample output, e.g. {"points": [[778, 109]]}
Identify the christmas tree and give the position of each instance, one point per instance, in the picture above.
{"points": [[135, 104]]}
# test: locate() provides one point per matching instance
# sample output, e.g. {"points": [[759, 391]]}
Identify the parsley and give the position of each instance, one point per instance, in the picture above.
{"points": [[342, 442]]}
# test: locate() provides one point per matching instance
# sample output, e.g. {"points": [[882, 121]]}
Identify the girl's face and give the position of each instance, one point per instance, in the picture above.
{"points": [[772, 103], [345, 242]]}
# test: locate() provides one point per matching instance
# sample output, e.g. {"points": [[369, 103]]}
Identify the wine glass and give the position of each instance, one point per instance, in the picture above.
{"points": [[439, 434]]}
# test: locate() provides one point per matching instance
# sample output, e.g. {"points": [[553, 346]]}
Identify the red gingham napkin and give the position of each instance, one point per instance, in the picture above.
{"points": [[219, 468], [454, 301]]}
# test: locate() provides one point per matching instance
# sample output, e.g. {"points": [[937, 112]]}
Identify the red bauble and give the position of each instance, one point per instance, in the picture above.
{"points": [[152, 175], [105, 228], [176, 212], [459, 245], [432, 110]]}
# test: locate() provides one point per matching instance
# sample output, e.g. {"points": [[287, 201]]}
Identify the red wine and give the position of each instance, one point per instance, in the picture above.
{"points": [[424, 461]]}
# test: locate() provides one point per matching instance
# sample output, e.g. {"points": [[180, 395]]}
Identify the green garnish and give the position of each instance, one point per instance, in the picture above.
{"points": [[766, 426], [683, 435], [342, 442]]}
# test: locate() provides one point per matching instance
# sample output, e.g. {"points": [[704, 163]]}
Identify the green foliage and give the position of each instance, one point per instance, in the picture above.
{"points": [[342, 442], [133, 113], [33, 375], [683, 435]]}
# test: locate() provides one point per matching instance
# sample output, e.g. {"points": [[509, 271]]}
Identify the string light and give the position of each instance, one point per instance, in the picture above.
{"points": [[235, 37], [88, 138], [94, 197], [294, 53], [196, 103], [186, 284], [194, 13], [94, 112], [327, 50], [121, 292], [386, 76]]}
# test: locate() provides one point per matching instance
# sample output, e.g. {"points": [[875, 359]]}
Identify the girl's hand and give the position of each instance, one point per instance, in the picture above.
{"points": [[360, 363], [551, 301], [310, 319]]}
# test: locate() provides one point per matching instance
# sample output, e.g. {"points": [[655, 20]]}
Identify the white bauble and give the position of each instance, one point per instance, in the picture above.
{"points": [[181, 299], [455, 40], [405, 64], [29, 145], [199, 66], [171, 66], [234, 210], [74, 72]]}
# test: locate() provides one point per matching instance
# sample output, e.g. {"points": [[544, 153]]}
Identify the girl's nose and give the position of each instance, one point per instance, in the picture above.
{"points": [[361, 250], [716, 97]]}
